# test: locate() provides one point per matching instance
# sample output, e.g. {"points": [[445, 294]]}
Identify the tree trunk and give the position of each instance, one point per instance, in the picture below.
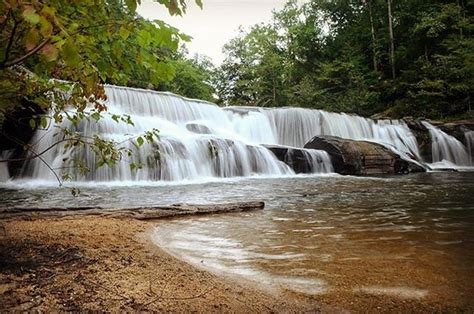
{"points": [[461, 16], [274, 92], [372, 30], [390, 31]]}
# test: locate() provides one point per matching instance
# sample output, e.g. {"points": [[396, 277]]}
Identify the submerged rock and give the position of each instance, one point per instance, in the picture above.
{"points": [[353, 157]]}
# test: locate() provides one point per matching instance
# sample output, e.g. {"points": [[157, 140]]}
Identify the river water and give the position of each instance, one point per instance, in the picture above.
{"points": [[409, 237]]}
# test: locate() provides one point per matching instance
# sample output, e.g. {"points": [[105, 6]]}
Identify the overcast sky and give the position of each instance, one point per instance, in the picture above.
{"points": [[216, 23]]}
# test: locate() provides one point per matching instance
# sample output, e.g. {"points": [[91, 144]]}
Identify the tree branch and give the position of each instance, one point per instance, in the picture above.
{"points": [[27, 55], [10, 42], [6, 21]]}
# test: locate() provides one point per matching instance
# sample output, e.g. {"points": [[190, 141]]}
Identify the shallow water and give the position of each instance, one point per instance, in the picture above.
{"points": [[407, 237], [411, 237]]}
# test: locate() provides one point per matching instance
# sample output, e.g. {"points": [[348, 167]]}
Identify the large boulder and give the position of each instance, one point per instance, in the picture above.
{"points": [[351, 157]]}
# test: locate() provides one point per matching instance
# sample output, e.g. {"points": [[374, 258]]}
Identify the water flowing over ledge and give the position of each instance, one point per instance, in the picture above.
{"points": [[199, 140]]}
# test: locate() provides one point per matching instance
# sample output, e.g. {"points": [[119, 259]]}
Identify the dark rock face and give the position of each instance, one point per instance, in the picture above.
{"points": [[15, 131], [352, 157], [295, 158], [423, 138], [457, 129]]}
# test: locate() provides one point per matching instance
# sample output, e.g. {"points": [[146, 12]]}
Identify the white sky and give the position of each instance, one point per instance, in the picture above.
{"points": [[215, 24]]}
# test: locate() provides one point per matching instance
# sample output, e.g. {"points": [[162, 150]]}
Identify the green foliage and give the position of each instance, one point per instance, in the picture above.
{"points": [[193, 76], [58, 54], [334, 55]]}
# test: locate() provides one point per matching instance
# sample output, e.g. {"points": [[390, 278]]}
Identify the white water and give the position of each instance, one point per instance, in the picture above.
{"points": [[296, 126], [198, 140], [4, 172], [201, 141], [469, 136], [447, 151]]}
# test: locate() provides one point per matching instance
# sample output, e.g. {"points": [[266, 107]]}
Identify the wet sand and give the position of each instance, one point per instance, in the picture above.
{"points": [[95, 263]]}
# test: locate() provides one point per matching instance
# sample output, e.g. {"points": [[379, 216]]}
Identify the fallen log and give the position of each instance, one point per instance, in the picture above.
{"points": [[141, 213]]}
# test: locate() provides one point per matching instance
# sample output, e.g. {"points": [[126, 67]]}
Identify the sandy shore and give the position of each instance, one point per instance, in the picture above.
{"points": [[101, 263], [93, 263]]}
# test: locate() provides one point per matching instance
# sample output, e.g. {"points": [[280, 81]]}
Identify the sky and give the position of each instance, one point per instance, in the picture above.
{"points": [[215, 24]]}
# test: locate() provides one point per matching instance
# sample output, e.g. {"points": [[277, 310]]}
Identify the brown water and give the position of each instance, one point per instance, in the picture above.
{"points": [[345, 240], [351, 241]]}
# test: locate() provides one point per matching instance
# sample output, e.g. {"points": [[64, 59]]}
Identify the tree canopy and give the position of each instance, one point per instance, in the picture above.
{"points": [[56, 55], [408, 57]]}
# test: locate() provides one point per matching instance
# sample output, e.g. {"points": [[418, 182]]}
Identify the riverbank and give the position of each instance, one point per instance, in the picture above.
{"points": [[98, 263], [95, 263]]}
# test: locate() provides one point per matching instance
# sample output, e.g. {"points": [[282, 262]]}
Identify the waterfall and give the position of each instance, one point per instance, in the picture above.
{"points": [[296, 126], [446, 149], [4, 172], [319, 161], [469, 136], [199, 140]]}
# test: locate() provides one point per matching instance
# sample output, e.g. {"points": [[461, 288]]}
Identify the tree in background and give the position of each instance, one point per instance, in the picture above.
{"points": [[409, 57], [193, 76]]}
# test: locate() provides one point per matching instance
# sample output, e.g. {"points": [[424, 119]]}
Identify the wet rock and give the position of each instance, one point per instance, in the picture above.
{"points": [[457, 129], [293, 157], [15, 131], [423, 138], [351, 157]]}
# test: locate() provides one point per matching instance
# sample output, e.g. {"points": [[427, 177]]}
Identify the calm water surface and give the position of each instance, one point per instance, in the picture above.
{"points": [[407, 236]]}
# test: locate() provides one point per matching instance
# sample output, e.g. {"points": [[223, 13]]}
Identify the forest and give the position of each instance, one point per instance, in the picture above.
{"points": [[324, 165], [369, 57], [395, 58]]}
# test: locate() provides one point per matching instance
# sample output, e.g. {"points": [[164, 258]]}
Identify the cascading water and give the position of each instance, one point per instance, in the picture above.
{"points": [[197, 140], [4, 173], [319, 161], [469, 136], [296, 126], [201, 140], [446, 149]]}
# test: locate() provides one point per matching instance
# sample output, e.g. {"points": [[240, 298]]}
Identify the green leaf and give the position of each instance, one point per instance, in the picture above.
{"points": [[199, 3], [96, 116], [132, 5], [140, 141], [46, 28], [124, 32], [44, 122], [32, 38], [115, 118], [50, 52], [29, 14], [71, 54]]}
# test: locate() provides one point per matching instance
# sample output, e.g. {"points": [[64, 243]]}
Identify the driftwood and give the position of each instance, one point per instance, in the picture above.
{"points": [[141, 213]]}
